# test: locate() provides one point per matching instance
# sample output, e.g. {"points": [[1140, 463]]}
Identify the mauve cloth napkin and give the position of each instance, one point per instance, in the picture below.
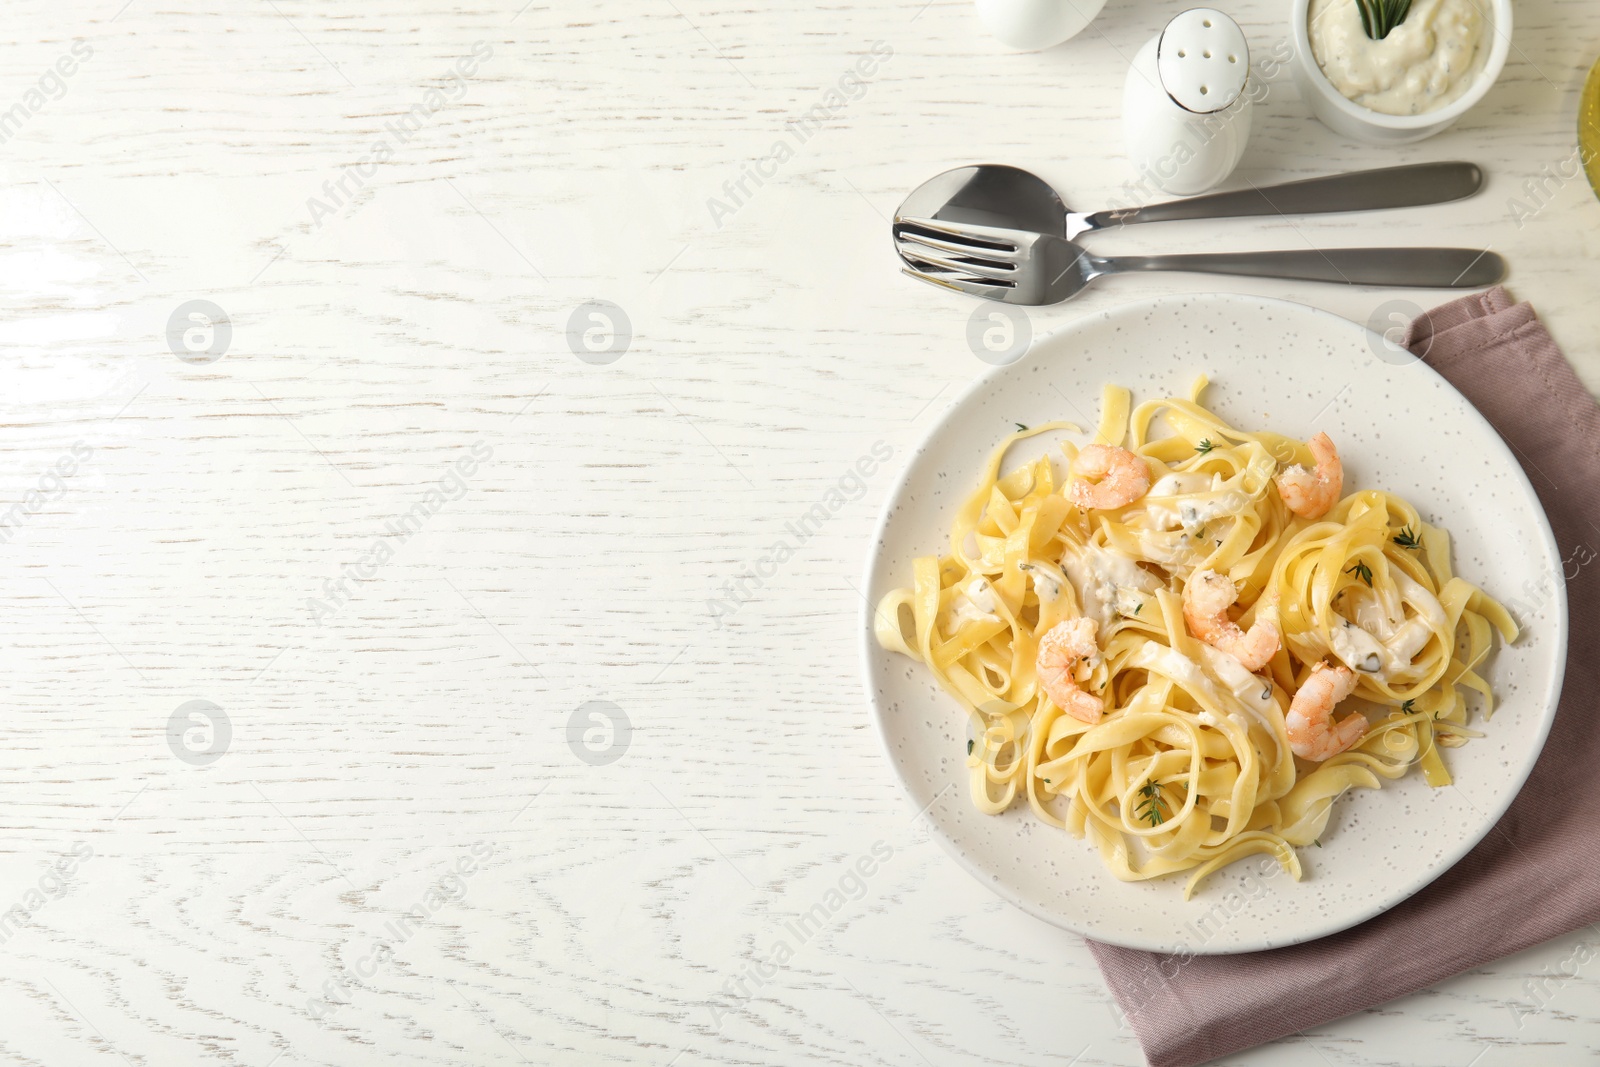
{"points": [[1537, 874]]}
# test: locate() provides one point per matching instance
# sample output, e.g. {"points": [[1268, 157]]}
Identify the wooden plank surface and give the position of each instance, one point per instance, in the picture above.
{"points": [[401, 539]]}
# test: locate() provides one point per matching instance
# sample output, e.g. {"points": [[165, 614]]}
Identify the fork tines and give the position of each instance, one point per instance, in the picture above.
{"points": [[960, 283], [949, 254]]}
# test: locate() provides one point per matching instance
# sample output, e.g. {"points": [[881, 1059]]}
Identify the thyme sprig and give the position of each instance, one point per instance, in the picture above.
{"points": [[1407, 538], [1149, 808], [1204, 446], [1360, 570]]}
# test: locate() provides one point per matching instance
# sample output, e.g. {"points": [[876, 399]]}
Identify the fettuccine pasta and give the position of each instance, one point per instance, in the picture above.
{"points": [[1085, 627]]}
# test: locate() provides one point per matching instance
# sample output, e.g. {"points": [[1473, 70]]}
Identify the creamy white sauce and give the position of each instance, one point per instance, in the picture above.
{"points": [[975, 604], [1187, 515], [1410, 636], [1190, 501], [1423, 602], [1381, 635], [1046, 581], [1254, 693], [1369, 612], [1424, 63], [1098, 575], [1130, 602], [1179, 483], [1215, 680], [981, 595], [1408, 640], [1356, 648], [1180, 551]]}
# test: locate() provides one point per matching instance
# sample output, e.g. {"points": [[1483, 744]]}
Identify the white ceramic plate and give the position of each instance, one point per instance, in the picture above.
{"points": [[1399, 426]]}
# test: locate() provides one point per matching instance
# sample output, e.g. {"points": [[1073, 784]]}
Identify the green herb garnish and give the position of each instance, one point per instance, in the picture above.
{"points": [[1138, 607], [1149, 809], [1406, 708], [1020, 428], [1378, 17], [1360, 570], [969, 746], [1317, 843], [1407, 539], [1204, 446]]}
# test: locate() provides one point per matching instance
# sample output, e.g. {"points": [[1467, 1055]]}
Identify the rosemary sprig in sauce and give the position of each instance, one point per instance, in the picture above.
{"points": [[1378, 17]]}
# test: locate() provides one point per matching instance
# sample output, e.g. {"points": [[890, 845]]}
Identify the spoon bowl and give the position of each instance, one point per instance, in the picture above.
{"points": [[991, 194]]}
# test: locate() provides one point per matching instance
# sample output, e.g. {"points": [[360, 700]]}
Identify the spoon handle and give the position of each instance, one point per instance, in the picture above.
{"points": [[1428, 268], [1364, 190]]}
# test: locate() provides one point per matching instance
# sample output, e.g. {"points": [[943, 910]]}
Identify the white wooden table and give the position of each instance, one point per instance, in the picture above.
{"points": [[399, 536]]}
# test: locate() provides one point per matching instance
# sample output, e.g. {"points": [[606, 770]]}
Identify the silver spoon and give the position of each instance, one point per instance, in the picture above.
{"points": [[993, 194]]}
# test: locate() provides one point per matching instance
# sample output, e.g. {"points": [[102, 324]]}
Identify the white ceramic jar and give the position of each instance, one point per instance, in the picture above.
{"points": [[1185, 111], [1034, 25], [1350, 119]]}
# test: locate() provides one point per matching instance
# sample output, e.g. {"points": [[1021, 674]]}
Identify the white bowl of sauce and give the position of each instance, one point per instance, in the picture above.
{"points": [[1428, 71]]}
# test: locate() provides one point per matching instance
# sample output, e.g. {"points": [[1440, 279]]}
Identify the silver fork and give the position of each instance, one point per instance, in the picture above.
{"points": [[1022, 267]]}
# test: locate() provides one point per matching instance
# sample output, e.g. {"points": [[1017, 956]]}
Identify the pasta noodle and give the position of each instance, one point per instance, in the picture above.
{"points": [[1192, 765]]}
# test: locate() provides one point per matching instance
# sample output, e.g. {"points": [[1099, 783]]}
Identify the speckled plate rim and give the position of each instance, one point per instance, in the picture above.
{"points": [[1051, 345]]}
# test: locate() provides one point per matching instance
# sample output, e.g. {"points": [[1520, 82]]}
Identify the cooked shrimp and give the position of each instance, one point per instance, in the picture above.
{"points": [[1310, 494], [1122, 478], [1207, 596], [1313, 734], [1062, 646]]}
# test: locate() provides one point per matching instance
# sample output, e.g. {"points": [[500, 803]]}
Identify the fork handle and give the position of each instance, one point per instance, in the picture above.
{"points": [[1365, 190], [1428, 268]]}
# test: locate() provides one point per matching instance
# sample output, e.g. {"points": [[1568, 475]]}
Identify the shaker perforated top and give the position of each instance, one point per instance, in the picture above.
{"points": [[1203, 60]]}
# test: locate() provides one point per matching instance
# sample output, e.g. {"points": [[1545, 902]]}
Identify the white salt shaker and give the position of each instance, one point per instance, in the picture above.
{"points": [[1185, 112]]}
